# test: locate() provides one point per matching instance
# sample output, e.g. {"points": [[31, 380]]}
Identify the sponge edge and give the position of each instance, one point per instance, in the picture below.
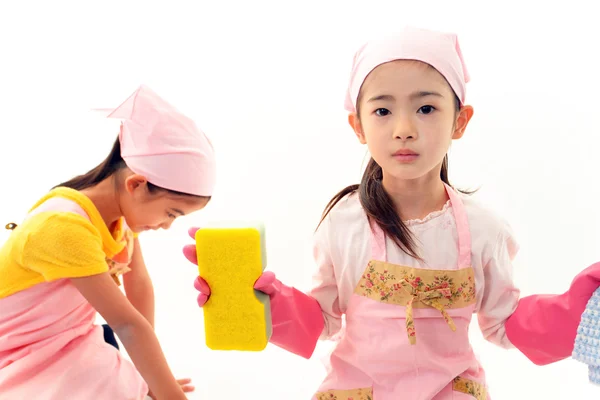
{"points": [[231, 257]]}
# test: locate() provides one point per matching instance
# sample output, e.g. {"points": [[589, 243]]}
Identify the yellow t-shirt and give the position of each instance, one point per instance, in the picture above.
{"points": [[51, 245]]}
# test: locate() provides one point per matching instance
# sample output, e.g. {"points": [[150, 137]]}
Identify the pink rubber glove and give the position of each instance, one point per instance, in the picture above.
{"points": [[544, 327], [296, 317]]}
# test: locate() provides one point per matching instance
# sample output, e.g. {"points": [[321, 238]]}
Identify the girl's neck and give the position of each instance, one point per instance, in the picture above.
{"points": [[105, 198], [416, 198]]}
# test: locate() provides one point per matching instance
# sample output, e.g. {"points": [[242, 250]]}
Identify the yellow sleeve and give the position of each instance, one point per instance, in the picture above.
{"points": [[62, 245]]}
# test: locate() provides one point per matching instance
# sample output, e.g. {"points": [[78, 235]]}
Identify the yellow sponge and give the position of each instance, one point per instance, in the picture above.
{"points": [[231, 258]]}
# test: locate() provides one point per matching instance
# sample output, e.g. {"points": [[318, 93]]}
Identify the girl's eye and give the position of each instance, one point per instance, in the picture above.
{"points": [[426, 110], [170, 215], [382, 112]]}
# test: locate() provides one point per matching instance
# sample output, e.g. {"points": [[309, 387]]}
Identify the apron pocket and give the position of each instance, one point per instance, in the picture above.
{"points": [[354, 394], [468, 387]]}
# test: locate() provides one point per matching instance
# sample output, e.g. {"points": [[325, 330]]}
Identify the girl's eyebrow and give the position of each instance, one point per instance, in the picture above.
{"points": [[413, 96]]}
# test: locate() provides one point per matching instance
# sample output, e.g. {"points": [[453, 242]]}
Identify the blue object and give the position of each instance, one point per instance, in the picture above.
{"points": [[587, 341], [109, 336]]}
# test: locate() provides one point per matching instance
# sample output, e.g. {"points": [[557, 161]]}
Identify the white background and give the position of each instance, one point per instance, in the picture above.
{"points": [[266, 81]]}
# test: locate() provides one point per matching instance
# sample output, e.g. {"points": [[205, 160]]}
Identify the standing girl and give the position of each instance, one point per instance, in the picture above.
{"points": [[406, 258], [63, 263]]}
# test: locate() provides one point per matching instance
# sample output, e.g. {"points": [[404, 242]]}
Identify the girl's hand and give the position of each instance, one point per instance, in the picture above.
{"points": [[544, 327], [185, 386], [266, 283], [297, 318]]}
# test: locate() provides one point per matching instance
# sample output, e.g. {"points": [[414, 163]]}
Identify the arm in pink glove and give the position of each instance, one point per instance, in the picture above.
{"points": [[296, 317], [544, 327]]}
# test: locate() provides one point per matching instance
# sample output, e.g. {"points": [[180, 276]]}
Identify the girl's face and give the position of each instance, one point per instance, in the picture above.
{"points": [[144, 210], [408, 118]]}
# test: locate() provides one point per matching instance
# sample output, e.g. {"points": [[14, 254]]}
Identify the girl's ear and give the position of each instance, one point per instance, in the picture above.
{"points": [[462, 120], [135, 184], [354, 122]]}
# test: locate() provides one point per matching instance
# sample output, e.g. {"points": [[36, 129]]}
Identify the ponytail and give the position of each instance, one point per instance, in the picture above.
{"points": [[112, 164]]}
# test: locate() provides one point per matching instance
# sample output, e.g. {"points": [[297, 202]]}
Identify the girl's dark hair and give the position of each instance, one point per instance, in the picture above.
{"points": [[111, 165], [379, 206]]}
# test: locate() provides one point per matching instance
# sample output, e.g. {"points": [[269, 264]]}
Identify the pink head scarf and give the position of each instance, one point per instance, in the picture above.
{"points": [[440, 50], [165, 146]]}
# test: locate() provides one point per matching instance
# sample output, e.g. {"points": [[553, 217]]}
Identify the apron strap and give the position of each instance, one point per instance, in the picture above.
{"points": [[378, 248], [462, 228]]}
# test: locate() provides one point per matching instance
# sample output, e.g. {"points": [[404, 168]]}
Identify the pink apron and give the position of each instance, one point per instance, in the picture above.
{"points": [[406, 331], [50, 348]]}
